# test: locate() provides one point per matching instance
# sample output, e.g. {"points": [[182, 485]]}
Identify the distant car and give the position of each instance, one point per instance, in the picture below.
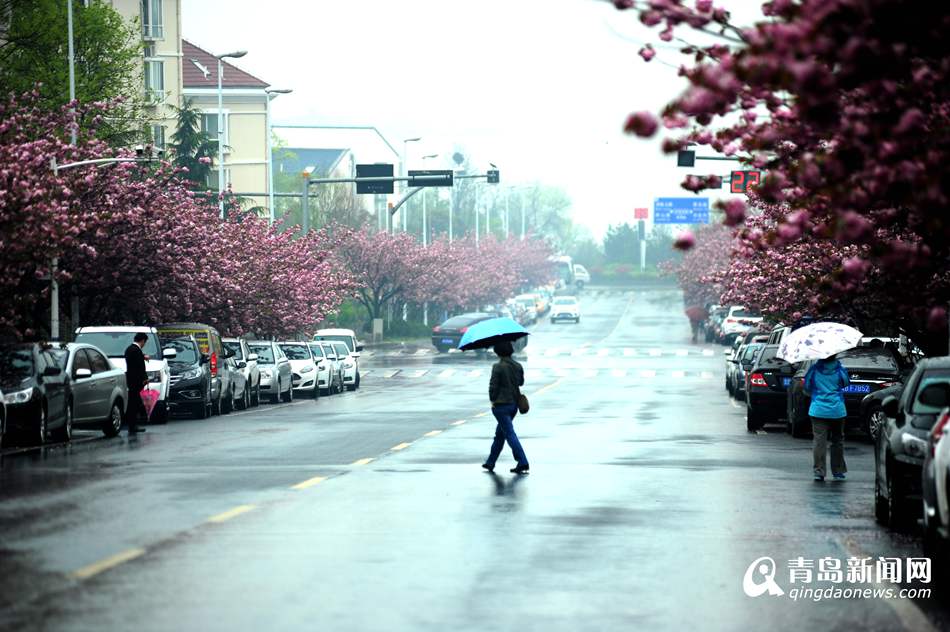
{"points": [[738, 320], [304, 365], [765, 388], [778, 333], [97, 389], [581, 276], [936, 492], [447, 335], [902, 443], [335, 366], [531, 305], [276, 374], [566, 308], [355, 348], [190, 389], [713, 327], [36, 393], [114, 340], [869, 370], [247, 364], [327, 371], [745, 361]]}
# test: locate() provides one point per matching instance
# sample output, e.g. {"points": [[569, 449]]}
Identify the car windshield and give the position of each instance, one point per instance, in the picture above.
{"points": [[187, 351], [347, 340], [341, 349], [565, 301], [869, 359], [297, 351], [750, 352], [928, 378], [265, 353], [767, 359], [15, 364], [114, 343], [745, 313], [317, 351], [458, 321], [235, 347]]}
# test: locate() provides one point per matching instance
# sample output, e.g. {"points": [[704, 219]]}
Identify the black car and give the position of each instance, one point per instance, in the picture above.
{"points": [[766, 382], [869, 370], [901, 445], [36, 393], [447, 335], [190, 384]]}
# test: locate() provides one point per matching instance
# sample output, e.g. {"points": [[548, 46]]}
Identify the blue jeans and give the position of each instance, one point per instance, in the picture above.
{"points": [[505, 431]]}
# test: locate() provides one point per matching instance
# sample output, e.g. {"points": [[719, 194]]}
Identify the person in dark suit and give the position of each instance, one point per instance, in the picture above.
{"points": [[136, 378]]}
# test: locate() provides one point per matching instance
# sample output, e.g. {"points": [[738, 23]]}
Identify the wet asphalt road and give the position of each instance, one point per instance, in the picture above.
{"points": [[646, 503]]}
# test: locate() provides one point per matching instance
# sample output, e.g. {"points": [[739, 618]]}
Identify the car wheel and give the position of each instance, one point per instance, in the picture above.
{"points": [[203, 410], [357, 382], [216, 406], [245, 402], [256, 399], [65, 432], [752, 420], [41, 429], [876, 421], [113, 423], [577, 321], [276, 397], [227, 404]]}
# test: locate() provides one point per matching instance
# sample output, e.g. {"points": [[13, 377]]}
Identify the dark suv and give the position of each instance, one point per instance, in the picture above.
{"points": [[901, 444], [190, 388], [36, 393]]}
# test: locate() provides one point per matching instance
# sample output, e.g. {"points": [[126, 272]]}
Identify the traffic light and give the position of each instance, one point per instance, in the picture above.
{"points": [[494, 177]]}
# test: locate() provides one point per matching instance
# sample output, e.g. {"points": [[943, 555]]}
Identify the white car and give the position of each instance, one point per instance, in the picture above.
{"points": [[114, 340], [937, 511], [304, 367], [565, 308], [334, 367], [246, 362], [738, 321], [326, 369], [348, 365], [581, 276], [351, 378]]}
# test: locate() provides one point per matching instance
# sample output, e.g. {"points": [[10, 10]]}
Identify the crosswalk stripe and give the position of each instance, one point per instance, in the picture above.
{"points": [[706, 375], [682, 352], [678, 374], [603, 352], [618, 373], [391, 373], [707, 352], [418, 373], [647, 373], [656, 352], [629, 352], [447, 373]]}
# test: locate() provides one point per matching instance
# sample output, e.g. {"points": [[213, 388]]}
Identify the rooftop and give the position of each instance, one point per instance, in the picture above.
{"points": [[199, 69]]}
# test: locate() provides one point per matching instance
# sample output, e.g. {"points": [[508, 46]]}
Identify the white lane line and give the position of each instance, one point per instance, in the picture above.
{"points": [[706, 375], [603, 352], [390, 373], [619, 373], [682, 352], [418, 373], [656, 352], [447, 373], [590, 373], [534, 374], [707, 352], [560, 372], [421, 352], [629, 352], [679, 374], [475, 373], [366, 372], [578, 352], [647, 373], [110, 562], [550, 353]]}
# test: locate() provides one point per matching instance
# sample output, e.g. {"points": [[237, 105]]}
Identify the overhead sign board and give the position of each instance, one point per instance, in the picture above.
{"points": [[430, 178], [691, 210], [374, 171], [641, 213]]}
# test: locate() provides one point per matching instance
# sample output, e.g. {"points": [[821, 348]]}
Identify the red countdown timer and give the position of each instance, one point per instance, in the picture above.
{"points": [[742, 180]]}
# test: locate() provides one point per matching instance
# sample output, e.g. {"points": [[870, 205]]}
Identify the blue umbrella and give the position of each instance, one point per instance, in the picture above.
{"points": [[486, 333]]}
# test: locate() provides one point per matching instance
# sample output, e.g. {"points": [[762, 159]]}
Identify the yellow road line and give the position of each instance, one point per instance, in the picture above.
{"points": [[482, 415], [432, 433], [548, 387], [362, 462], [110, 562], [401, 446], [310, 482], [231, 513], [457, 423]]}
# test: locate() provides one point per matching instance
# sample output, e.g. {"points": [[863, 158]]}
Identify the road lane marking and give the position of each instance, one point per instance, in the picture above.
{"points": [[547, 388], [550, 353], [682, 352], [401, 446], [432, 433], [390, 373], [110, 562], [457, 423], [578, 352], [706, 375], [707, 352], [560, 372], [362, 462], [310, 482], [603, 352], [224, 516], [418, 373], [656, 352], [481, 415], [619, 373], [647, 373], [629, 351], [679, 374], [475, 373], [590, 373], [366, 372], [422, 352], [447, 373]]}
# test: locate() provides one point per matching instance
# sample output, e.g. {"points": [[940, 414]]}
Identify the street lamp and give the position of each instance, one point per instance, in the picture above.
{"points": [[271, 92], [405, 172], [236, 54]]}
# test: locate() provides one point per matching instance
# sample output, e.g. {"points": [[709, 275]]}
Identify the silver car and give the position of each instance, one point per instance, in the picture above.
{"points": [[97, 388], [328, 375], [246, 362], [335, 366], [276, 374]]}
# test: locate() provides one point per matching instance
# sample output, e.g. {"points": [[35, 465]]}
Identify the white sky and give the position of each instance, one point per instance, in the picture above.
{"points": [[539, 87]]}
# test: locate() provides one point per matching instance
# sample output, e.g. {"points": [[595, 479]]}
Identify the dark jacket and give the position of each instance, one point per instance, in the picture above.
{"points": [[135, 375], [506, 376]]}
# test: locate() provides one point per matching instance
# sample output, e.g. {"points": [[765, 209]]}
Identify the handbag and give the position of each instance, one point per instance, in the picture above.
{"points": [[523, 406]]}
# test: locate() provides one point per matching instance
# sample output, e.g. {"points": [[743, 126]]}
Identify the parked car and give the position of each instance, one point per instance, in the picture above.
{"points": [[717, 313], [223, 385], [732, 360], [765, 388], [191, 380], [530, 303], [903, 442], [738, 320], [347, 337], [240, 389], [114, 340], [276, 374], [304, 365], [871, 412], [329, 377], [869, 370], [348, 365], [97, 389], [247, 365], [566, 308], [581, 276], [335, 366], [778, 333], [936, 488], [447, 335], [746, 360], [521, 314], [36, 393]]}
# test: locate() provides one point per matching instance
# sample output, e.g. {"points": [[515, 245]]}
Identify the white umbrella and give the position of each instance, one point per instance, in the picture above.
{"points": [[818, 340]]}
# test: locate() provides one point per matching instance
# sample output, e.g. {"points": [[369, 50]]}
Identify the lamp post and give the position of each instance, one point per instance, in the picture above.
{"points": [[405, 172], [425, 221], [271, 93], [236, 54]]}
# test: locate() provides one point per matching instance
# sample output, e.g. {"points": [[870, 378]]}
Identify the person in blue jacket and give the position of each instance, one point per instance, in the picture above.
{"points": [[823, 383]]}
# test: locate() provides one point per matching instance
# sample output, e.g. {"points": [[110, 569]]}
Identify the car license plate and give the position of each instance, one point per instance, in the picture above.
{"points": [[786, 381], [857, 388], [447, 341]]}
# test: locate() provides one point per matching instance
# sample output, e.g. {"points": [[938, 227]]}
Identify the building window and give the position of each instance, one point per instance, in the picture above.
{"points": [[158, 137], [209, 125], [152, 19], [213, 179], [154, 76]]}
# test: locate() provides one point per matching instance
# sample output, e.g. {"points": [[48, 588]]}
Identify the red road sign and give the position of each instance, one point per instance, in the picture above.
{"points": [[641, 213]]}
